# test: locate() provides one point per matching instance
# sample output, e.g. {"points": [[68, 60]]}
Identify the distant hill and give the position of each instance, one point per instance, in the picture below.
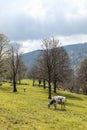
{"points": [[29, 58], [77, 53]]}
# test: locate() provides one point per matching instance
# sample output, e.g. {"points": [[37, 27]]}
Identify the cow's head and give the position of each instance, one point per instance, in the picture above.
{"points": [[51, 102]]}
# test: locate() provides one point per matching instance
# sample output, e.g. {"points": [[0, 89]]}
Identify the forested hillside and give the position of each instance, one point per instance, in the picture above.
{"points": [[77, 53]]}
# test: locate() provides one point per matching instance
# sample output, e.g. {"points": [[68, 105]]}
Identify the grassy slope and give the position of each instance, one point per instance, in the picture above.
{"points": [[28, 110]]}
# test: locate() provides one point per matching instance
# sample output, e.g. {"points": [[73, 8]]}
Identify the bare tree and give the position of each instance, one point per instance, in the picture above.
{"points": [[82, 76], [61, 69], [41, 71], [13, 61], [22, 68], [4, 42], [47, 47], [32, 73], [53, 64]]}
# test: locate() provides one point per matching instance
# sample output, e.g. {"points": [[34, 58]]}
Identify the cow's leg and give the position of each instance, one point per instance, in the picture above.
{"points": [[55, 106]]}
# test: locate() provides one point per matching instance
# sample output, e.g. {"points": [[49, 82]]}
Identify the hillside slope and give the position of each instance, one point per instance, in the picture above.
{"points": [[77, 53], [28, 110], [30, 57]]}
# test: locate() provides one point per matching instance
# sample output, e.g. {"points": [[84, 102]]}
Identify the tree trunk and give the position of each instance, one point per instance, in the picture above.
{"points": [[33, 82], [55, 86], [49, 83], [14, 84], [44, 84], [49, 91], [39, 81]]}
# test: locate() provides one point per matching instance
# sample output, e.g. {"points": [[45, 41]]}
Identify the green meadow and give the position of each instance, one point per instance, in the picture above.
{"points": [[28, 110]]}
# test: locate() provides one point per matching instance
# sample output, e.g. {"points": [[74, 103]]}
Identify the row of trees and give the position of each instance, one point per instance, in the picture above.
{"points": [[11, 64], [81, 78], [52, 66]]}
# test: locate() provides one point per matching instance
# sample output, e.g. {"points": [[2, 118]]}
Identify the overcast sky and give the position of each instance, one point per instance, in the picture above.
{"points": [[29, 21]]}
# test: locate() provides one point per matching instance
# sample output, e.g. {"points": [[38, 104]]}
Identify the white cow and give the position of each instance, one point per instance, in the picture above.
{"points": [[57, 100]]}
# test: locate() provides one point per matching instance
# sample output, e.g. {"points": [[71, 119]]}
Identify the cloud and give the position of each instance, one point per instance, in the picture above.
{"points": [[30, 45], [73, 39], [33, 20]]}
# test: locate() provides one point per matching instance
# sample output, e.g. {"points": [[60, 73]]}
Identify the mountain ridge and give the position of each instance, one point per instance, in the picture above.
{"points": [[76, 52]]}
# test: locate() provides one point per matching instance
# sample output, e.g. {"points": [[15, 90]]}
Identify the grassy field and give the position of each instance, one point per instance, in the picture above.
{"points": [[28, 110]]}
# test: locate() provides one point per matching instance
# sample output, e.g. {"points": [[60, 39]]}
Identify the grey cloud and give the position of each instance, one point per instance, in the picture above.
{"points": [[23, 27], [27, 28]]}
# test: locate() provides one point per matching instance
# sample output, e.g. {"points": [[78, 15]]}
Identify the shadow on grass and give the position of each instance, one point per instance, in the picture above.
{"points": [[9, 89], [75, 105], [70, 96], [6, 89], [58, 109]]}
